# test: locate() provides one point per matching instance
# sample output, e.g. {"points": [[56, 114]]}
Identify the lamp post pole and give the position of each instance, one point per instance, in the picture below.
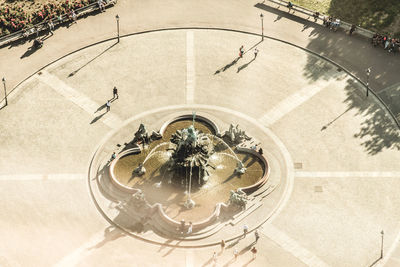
{"points": [[382, 234], [368, 73], [117, 18], [262, 26], [5, 89]]}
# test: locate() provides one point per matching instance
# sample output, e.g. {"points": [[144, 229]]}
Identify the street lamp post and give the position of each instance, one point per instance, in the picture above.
{"points": [[117, 18], [368, 73], [382, 234], [5, 90], [262, 26]]}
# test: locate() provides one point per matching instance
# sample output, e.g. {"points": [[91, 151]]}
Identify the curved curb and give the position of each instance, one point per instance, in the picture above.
{"points": [[220, 29], [275, 211], [157, 208]]}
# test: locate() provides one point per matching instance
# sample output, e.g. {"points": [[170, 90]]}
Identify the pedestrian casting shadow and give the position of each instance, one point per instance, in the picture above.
{"points": [[165, 244], [281, 13], [278, 18], [227, 66], [210, 260], [247, 263], [245, 65], [111, 233], [29, 51], [231, 245], [231, 261], [246, 249], [87, 63], [171, 249], [98, 118]]}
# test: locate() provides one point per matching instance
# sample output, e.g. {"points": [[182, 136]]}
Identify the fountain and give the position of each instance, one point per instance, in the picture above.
{"points": [[188, 171]]}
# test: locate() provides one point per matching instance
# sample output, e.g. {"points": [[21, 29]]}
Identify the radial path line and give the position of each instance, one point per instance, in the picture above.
{"points": [[189, 258], [291, 246], [27, 177], [78, 98], [190, 70], [345, 174], [296, 99], [81, 252]]}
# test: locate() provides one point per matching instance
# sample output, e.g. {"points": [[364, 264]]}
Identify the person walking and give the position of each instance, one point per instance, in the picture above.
{"points": [[190, 229], [352, 29], [255, 52], [214, 257], [108, 105], [245, 230], [235, 253], [115, 92], [113, 156], [50, 24], [289, 6], [222, 246], [241, 51], [254, 251], [257, 235]]}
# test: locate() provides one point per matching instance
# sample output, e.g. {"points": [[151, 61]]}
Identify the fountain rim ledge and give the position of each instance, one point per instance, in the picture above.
{"points": [[220, 206]]}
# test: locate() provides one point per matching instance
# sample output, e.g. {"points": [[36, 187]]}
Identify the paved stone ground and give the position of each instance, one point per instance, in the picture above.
{"points": [[343, 146]]}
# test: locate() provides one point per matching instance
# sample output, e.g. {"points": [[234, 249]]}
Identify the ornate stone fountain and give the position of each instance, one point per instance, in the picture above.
{"points": [[188, 164]]}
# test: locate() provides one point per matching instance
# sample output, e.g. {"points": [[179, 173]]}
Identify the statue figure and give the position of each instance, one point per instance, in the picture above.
{"points": [[189, 204], [240, 168], [238, 198], [139, 200], [155, 135], [140, 170], [141, 135], [236, 135]]}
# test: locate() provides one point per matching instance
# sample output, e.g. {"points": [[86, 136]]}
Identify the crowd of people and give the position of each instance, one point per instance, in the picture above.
{"points": [[15, 18], [331, 23], [388, 43], [392, 45]]}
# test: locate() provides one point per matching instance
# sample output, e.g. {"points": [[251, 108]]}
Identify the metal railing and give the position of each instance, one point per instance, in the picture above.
{"points": [[42, 26], [343, 25]]}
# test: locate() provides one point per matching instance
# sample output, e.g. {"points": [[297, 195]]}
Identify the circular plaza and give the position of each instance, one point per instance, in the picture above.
{"points": [[322, 189]]}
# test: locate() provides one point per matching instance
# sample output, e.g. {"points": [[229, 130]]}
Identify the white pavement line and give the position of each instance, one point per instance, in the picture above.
{"points": [[27, 177], [291, 246], [295, 100], [189, 258], [346, 174], [78, 98], [190, 70], [73, 258]]}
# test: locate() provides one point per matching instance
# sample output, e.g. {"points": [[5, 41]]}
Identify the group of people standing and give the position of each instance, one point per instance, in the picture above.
{"points": [[386, 42], [242, 52], [253, 249]]}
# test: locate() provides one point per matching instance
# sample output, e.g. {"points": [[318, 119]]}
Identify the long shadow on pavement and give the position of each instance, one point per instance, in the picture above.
{"points": [[76, 71], [377, 131]]}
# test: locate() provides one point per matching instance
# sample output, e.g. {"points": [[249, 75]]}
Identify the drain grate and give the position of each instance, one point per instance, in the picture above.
{"points": [[298, 165], [318, 189]]}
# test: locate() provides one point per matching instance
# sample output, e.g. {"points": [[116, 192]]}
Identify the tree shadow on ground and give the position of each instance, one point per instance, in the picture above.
{"points": [[371, 14], [378, 131]]}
